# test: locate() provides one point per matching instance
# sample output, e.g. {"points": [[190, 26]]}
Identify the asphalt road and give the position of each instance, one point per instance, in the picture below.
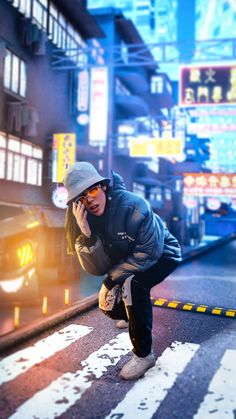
{"points": [[72, 371]]}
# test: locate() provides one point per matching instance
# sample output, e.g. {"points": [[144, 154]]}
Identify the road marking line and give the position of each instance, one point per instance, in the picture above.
{"points": [[65, 391], [144, 398], [220, 401], [20, 361]]}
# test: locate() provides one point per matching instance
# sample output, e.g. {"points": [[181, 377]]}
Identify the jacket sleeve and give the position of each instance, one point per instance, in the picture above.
{"points": [[92, 256], [148, 247]]}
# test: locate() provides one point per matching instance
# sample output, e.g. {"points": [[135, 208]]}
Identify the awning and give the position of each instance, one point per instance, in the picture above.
{"points": [[135, 82], [148, 181], [31, 217], [131, 106], [17, 224]]}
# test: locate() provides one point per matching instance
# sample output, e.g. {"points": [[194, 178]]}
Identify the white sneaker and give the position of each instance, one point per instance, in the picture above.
{"points": [[137, 367], [122, 324]]}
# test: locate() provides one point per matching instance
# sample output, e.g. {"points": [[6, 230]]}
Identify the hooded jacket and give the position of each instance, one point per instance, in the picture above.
{"points": [[126, 239]]}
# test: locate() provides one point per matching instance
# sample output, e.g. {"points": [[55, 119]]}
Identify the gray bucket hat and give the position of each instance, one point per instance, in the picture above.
{"points": [[80, 176]]}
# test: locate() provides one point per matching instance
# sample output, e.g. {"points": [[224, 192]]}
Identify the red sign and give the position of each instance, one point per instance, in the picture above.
{"points": [[210, 184]]}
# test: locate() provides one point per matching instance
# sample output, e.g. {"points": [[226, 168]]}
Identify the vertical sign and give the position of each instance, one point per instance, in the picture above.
{"points": [[63, 154], [83, 91], [98, 106]]}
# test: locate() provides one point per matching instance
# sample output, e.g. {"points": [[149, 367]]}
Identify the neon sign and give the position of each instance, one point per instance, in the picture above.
{"points": [[207, 85], [210, 184]]}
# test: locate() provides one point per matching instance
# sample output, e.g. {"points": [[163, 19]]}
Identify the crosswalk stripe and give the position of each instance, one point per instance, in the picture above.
{"points": [[144, 398], [63, 393], [20, 361], [220, 401]]}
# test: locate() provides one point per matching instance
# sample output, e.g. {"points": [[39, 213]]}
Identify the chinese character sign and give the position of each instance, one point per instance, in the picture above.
{"points": [[207, 85], [63, 154], [210, 184]]}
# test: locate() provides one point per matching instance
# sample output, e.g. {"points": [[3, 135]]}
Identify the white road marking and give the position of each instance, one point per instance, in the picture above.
{"points": [[64, 392], [144, 398], [220, 401], [200, 277], [20, 361]]}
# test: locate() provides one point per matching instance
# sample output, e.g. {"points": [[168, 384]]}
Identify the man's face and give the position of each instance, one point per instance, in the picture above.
{"points": [[94, 200]]}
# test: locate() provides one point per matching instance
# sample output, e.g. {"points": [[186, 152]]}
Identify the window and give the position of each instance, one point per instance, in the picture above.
{"points": [[139, 189], [157, 84], [48, 18], [3, 144], [14, 77], [20, 160], [40, 13]]}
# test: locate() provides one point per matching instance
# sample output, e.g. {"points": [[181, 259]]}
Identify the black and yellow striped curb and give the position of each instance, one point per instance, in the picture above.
{"points": [[196, 308]]}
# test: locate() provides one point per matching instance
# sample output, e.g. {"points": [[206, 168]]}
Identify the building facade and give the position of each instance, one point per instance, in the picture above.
{"points": [[36, 102]]}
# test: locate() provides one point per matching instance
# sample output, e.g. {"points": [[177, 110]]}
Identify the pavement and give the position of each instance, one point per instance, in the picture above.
{"points": [[18, 336]]}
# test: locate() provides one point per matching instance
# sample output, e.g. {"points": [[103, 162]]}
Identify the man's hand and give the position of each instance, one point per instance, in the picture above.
{"points": [[102, 297], [80, 214]]}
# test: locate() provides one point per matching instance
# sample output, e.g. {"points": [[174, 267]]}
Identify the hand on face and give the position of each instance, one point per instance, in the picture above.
{"points": [[80, 214]]}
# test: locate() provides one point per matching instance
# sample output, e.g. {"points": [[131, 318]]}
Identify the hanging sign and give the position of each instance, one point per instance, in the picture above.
{"points": [[59, 197], [156, 147], [207, 85], [210, 184], [98, 106], [63, 152]]}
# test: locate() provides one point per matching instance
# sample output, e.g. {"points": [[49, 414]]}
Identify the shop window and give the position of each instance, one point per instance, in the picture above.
{"points": [[14, 78]]}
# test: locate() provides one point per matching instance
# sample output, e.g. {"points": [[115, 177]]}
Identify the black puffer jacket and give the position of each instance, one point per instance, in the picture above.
{"points": [[127, 238]]}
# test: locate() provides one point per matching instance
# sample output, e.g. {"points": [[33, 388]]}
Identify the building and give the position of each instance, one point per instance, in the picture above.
{"points": [[36, 101], [140, 103]]}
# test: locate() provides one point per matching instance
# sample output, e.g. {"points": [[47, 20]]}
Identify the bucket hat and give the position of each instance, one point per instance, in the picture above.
{"points": [[80, 176]]}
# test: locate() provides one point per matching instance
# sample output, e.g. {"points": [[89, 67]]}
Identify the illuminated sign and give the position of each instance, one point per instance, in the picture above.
{"points": [[156, 147], [213, 203], [210, 184], [59, 197], [83, 91], [63, 154], [197, 128], [212, 111], [83, 119], [190, 202], [207, 85], [98, 106]]}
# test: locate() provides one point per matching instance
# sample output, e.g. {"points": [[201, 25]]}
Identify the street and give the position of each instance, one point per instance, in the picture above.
{"points": [[72, 371]]}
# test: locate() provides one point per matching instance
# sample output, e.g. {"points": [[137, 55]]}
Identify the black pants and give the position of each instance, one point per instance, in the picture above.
{"points": [[137, 303]]}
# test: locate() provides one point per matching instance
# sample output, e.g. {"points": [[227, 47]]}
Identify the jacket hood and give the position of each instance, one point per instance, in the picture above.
{"points": [[118, 183]]}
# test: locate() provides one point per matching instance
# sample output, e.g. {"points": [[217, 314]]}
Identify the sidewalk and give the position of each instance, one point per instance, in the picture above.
{"points": [[40, 325]]}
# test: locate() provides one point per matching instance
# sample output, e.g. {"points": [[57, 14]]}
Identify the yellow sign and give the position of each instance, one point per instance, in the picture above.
{"points": [[64, 152], [156, 147]]}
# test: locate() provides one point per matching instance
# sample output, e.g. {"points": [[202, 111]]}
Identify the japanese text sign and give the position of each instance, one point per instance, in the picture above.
{"points": [[210, 184], [207, 85], [63, 154]]}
